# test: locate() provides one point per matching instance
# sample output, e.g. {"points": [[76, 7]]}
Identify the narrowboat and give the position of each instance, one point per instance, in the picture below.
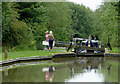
{"points": [[86, 47]]}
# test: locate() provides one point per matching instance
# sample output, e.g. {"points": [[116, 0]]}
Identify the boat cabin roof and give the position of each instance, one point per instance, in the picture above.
{"points": [[84, 40], [80, 39], [93, 41]]}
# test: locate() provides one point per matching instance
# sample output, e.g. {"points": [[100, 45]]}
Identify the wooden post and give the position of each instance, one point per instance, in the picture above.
{"points": [[6, 54]]}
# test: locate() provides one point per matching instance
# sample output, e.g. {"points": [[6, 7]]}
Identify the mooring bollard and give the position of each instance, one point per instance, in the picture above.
{"points": [[6, 54]]}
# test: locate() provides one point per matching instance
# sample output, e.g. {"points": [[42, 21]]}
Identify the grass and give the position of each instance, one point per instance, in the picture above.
{"points": [[30, 53], [18, 54], [59, 49], [114, 50]]}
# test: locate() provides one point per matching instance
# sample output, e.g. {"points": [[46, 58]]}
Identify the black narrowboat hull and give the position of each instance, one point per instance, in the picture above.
{"points": [[79, 55], [90, 54]]}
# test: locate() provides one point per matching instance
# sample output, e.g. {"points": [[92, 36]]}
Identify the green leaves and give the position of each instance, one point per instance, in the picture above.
{"points": [[81, 20], [15, 32], [24, 23], [106, 23]]}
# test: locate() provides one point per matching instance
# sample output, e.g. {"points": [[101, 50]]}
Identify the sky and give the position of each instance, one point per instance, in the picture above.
{"points": [[92, 4]]}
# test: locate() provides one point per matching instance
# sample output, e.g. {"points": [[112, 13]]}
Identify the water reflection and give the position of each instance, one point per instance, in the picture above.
{"points": [[71, 69], [87, 76], [89, 68], [109, 68], [6, 73], [49, 73], [84, 69]]}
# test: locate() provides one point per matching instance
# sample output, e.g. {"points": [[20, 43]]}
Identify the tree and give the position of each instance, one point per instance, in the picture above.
{"points": [[106, 23], [82, 20], [14, 32]]}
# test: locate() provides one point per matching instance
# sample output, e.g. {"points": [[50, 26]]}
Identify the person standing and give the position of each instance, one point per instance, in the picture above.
{"points": [[51, 39], [90, 37], [47, 38]]}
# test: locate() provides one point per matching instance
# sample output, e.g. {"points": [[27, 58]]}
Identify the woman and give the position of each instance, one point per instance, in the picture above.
{"points": [[47, 38], [51, 38]]}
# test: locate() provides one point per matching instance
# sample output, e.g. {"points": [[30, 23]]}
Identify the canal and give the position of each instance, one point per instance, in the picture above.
{"points": [[74, 69]]}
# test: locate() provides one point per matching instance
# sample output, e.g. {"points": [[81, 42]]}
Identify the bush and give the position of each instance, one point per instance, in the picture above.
{"points": [[39, 45]]}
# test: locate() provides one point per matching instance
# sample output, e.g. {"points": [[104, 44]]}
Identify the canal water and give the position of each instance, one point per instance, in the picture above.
{"points": [[80, 69]]}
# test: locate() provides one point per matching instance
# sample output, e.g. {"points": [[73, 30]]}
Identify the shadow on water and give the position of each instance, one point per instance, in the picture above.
{"points": [[80, 69]]}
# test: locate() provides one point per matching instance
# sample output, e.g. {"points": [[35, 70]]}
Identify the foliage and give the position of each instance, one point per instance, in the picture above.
{"points": [[14, 32], [106, 23], [59, 20], [82, 20], [24, 23]]}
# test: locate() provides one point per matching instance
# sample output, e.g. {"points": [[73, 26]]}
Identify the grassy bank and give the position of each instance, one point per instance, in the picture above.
{"points": [[114, 50], [17, 54], [30, 53]]}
